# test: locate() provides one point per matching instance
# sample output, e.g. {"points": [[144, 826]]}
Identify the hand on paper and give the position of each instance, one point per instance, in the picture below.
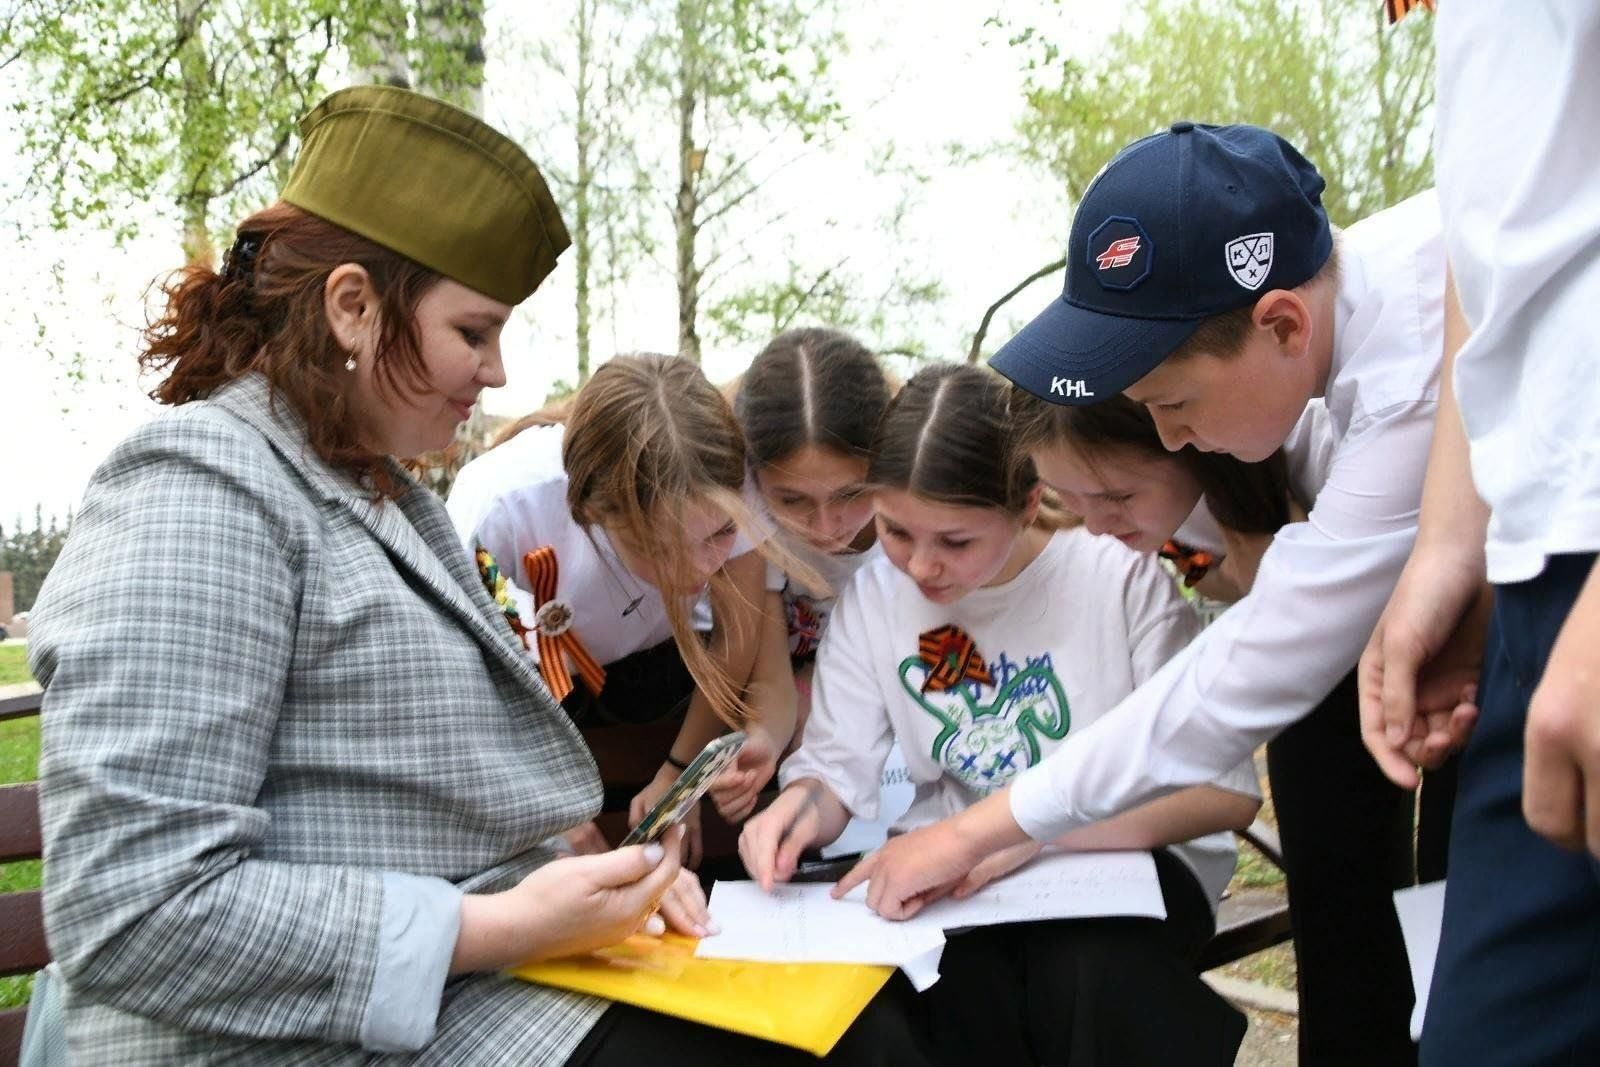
{"points": [[1561, 765], [571, 906], [996, 866], [646, 799], [1418, 676], [737, 788], [805, 814], [917, 868]]}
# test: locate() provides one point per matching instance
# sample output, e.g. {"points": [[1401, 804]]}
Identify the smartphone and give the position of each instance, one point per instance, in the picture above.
{"points": [[826, 870], [686, 792]]}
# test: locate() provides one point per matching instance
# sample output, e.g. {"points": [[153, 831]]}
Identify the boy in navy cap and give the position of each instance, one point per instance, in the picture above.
{"points": [[1204, 281]]}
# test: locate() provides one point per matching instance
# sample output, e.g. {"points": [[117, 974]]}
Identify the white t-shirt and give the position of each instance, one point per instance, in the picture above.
{"points": [[806, 611], [1062, 642], [1521, 199], [1322, 584], [513, 500]]}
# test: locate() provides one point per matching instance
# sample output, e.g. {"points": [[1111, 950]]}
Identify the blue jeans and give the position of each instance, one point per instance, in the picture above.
{"points": [[1518, 974]]}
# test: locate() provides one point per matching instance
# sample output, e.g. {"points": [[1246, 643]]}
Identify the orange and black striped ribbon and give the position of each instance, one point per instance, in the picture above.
{"points": [[543, 571], [1192, 563], [1399, 9], [952, 658]]}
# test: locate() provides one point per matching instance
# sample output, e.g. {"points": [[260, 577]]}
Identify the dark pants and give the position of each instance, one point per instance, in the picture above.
{"points": [[647, 686], [1518, 974], [1086, 992], [890, 1032], [1346, 832]]}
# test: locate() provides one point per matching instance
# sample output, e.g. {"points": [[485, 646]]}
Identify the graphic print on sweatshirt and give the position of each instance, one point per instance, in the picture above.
{"points": [[992, 716]]}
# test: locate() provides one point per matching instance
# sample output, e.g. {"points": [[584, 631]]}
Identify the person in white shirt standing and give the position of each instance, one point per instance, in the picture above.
{"points": [[1516, 980], [979, 639], [1204, 282]]}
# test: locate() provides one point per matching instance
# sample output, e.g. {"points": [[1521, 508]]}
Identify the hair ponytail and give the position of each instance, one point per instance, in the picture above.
{"points": [[811, 386]]}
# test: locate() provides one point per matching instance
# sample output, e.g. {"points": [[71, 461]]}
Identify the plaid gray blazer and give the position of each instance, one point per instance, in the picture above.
{"points": [[263, 691]]}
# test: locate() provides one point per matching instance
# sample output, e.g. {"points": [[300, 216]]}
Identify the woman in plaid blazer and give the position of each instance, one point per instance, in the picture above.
{"points": [[297, 774]]}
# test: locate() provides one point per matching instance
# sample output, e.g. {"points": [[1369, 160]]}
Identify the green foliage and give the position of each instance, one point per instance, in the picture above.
{"points": [[187, 108], [884, 318], [29, 555], [746, 83], [762, 62], [1354, 94]]}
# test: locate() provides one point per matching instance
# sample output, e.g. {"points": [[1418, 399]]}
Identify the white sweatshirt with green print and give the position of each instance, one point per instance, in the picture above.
{"points": [[1061, 644]]}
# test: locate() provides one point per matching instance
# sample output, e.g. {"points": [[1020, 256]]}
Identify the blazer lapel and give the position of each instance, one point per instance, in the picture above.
{"points": [[415, 530]]}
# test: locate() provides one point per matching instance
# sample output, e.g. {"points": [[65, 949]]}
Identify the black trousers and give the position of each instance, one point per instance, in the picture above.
{"points": [[646, 686], [1347, 842], [1086, 992], [890, 1032]]}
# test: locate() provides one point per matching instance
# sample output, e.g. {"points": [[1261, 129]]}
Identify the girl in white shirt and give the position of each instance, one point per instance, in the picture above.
{"points": [[600, 537], [980, 640], [809, 404], [1346, 830]]}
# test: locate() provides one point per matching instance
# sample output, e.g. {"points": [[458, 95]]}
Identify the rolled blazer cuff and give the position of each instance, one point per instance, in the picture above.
{"points": [[417, 931]]}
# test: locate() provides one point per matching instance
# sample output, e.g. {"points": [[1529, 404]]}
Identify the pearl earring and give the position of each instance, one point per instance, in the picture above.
{"points": [[350, 364]]}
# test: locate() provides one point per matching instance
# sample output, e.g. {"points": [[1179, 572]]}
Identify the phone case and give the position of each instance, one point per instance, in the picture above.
{"points": [[686, 792]]}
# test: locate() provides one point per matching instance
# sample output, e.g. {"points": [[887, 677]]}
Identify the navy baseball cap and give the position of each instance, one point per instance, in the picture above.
{"points": [[1185, 224]]}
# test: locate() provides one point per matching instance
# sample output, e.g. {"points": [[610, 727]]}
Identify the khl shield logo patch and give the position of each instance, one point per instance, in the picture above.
{"points": [[1250, 259]]}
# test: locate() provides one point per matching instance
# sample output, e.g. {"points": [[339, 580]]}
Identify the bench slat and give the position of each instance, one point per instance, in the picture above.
{"points": [[19, 822], [22, 947], [22, 705], [1246, 923], [11, 1021]]}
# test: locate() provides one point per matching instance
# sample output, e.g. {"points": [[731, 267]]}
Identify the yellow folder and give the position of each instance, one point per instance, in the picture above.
{"points": [[807, 1005]]}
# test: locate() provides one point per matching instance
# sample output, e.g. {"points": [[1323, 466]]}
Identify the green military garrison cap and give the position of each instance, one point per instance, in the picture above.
{"points": [[431, 182]]}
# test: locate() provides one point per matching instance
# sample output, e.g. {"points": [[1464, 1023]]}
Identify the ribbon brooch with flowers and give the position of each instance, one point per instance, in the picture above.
{"points": [[552, 627], [552, 630]]}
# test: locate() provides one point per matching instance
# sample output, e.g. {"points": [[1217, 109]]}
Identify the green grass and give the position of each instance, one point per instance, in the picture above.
{"points": [[1273, 967], [14, 664], [19, 762]]}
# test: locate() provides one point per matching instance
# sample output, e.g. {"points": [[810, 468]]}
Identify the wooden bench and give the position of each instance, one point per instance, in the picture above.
{"points": [[1250, 921], [22, 946]]}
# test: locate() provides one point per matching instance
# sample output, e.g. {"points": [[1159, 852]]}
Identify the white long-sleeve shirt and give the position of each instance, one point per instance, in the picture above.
{"points": [[1063, 641], [1517, 186], [1322, 584]]}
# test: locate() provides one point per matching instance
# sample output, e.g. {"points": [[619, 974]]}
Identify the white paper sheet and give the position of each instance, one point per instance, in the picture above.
{"points": [[1060, 885], [1421, 911], [804, 924]]}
